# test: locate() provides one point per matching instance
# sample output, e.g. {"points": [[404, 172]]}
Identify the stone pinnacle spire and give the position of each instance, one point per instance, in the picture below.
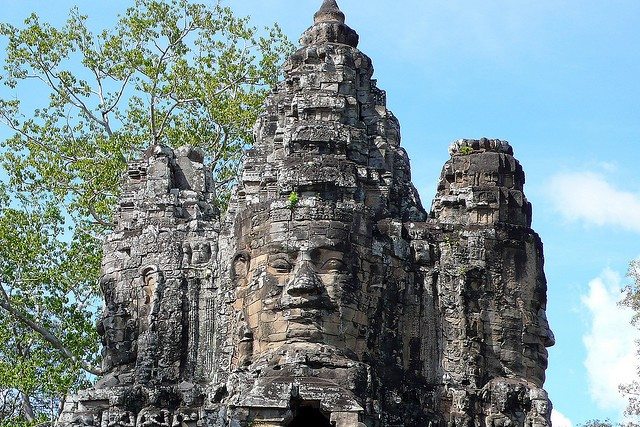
{"points": [[329, 12], [329, 27]]}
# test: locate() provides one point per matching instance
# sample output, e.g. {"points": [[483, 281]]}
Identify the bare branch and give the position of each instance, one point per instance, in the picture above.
{"points": [[99, 219], [163, 56], [11, 403], [50, 75], [120, 92], [47, 147], [100, 92], [224, 143], [27, 409], [108, 109], [82, 106], [167, 115]]}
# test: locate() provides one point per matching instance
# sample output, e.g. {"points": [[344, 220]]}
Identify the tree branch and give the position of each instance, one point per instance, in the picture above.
{"points": [[120, 92], [27, 409], [99, 219], [167, 115], [100, 94], [5, 303], [164, 53], [7, 121], [49, 74]]}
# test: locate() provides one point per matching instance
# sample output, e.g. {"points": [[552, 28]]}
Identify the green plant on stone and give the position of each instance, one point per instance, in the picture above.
{"points": [[447, 240], [466, 150], [293, 200]]}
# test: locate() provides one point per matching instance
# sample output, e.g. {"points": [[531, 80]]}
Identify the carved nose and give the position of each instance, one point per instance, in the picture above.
{"points": [[549, 338], [305, 282]]}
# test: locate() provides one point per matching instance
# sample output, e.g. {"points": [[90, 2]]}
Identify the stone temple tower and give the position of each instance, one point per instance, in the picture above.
{"points": [[326, 295]]}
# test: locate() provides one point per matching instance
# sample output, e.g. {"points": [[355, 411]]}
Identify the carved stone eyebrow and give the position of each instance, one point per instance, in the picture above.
{"points": [[278, 255], [337, 245], [277, 249]]}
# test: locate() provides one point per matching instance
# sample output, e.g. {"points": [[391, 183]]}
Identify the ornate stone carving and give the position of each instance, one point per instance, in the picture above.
{"points": [[327, 289], [151, 417]]}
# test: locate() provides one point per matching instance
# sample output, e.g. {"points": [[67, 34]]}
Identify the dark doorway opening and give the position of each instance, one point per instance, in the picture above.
{"points": [[309, 417]]}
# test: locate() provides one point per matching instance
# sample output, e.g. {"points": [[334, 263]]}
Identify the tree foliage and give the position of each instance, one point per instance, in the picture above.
{"points": [[47, 294], [168, 72], [600, 423], [632, 300]]}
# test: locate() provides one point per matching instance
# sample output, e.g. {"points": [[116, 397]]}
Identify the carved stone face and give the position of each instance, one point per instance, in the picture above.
{"points": [[536, 333], [296, 290], [117, 325], [154, 418], [117, 418], [541, 406]]}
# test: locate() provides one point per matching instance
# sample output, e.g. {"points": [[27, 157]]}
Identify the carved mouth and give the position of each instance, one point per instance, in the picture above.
{"points": [[303, 303], [302, 310], [307, 302], [544, 358]]}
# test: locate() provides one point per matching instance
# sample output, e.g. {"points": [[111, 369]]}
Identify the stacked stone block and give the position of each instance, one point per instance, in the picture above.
{"points": [[327, 295], [157, 280]]}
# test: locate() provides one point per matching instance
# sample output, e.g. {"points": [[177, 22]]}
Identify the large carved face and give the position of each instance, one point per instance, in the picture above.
{"points": [[526, 331], [298, 282], [536, 333]]}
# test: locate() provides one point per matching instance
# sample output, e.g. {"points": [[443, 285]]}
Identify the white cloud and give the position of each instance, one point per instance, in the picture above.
{"points": [[610, 343], [608, 166], [559, 420], [588, 197]]}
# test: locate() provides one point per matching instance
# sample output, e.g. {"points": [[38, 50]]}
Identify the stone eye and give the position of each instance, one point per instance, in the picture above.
{"points": [[334, 265], [281, 265]]}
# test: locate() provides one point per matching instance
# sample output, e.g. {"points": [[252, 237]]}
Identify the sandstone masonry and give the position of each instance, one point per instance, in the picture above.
{"points": [[326, 295]]}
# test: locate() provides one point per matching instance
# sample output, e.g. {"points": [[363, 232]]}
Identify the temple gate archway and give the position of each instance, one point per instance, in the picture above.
{"points": [[309, 417]]}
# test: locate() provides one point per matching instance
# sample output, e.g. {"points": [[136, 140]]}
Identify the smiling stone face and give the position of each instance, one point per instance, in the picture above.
{"points": [[292, 290]]}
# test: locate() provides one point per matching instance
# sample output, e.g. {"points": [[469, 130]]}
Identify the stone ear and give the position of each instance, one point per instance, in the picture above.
{"points": [[240, 265]]}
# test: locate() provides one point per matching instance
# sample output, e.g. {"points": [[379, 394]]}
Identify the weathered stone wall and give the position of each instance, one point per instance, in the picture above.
{"points": [[491, 285], [328, 295], [159, 268]]}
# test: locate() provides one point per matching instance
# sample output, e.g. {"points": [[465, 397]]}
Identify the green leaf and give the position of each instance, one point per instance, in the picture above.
{"points": [[172, 72]]}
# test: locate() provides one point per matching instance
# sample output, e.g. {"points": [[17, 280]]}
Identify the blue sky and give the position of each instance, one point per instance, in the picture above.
{"points": [[556, 78]]}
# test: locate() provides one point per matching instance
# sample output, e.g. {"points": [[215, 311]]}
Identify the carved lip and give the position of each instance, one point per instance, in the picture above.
{"points": [[302, 304], [302, 311], [544, 358], [310, 303]]}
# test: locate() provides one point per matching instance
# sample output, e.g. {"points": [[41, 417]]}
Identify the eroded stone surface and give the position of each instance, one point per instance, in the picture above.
{"points": [[327, 295]]}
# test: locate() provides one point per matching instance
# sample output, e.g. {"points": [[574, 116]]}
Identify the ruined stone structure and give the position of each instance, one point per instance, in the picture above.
{"points": [[326, 295]]}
